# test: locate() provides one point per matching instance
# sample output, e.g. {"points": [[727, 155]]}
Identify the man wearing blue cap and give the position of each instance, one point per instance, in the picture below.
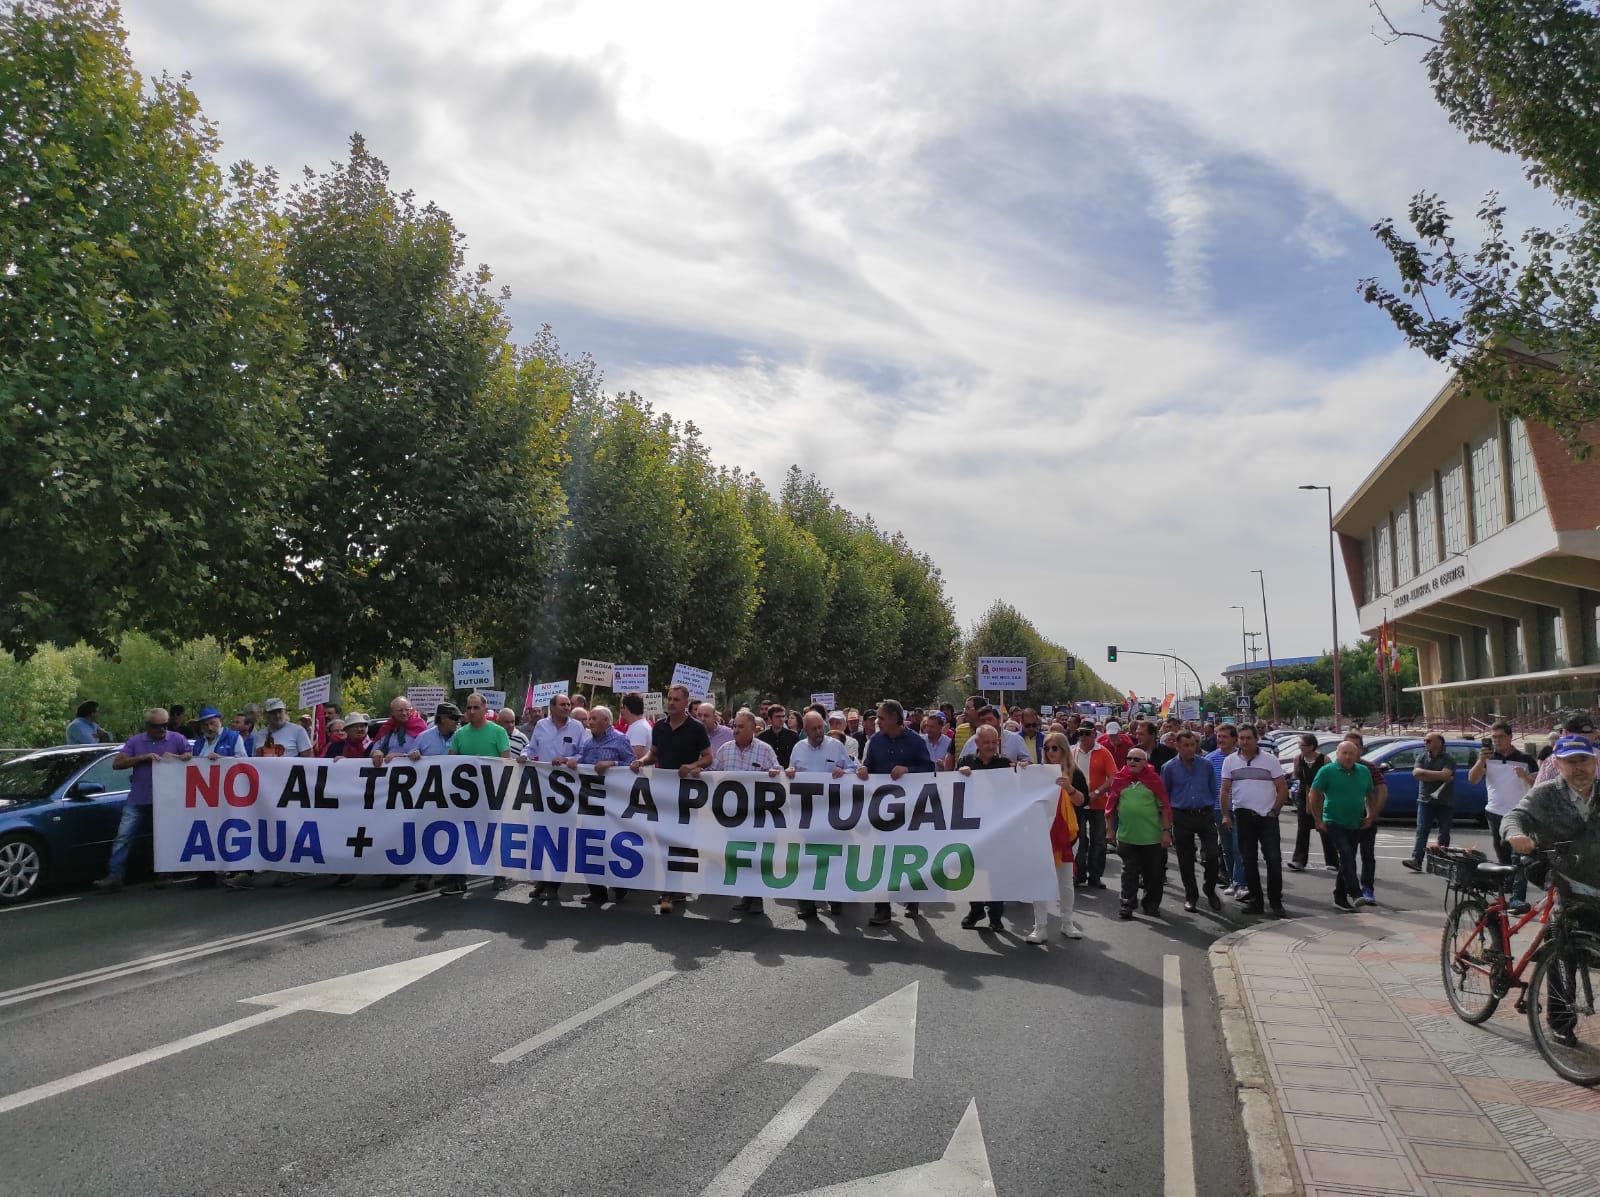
{"points": [[1565, 810], [216, 742]]}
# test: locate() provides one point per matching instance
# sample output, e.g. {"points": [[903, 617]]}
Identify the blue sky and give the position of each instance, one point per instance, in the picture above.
{"points": [[1065, 292]]}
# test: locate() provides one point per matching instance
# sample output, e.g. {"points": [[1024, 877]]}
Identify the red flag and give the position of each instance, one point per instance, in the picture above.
{"points": [[1383, 645]]}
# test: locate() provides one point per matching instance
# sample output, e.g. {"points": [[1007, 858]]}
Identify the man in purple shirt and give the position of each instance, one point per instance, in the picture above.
{"points": [[895, 751], [143, 750]]}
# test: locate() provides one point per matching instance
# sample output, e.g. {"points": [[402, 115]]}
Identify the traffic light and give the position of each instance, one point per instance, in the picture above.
{"points": [[1111, 653]]}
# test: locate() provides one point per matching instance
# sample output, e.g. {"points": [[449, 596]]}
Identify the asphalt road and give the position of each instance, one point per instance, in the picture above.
{"points": [[1044, 1065]]}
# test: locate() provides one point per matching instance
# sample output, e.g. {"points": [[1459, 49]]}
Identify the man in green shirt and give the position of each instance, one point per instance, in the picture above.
{"points": [[478, 736], [1344, 803]]}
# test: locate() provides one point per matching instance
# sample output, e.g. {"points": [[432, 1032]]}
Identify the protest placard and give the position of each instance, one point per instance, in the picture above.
{"points": [[472, 672], [594, 673], [425, 699], [824, 699], [698, 681], [315, 691], [627, 679], [1002, 673], [653, 705], [545, 691], [493, 699]]}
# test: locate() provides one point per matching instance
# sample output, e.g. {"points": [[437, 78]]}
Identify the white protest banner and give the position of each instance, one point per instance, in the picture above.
{"points": [[630, 679], [698, 681], [545, 691], [653, 704], [1002, 673], [927, 837], [594, 673], [825, 699], [425, 699], [473, 672], [1188, 708], [317, 690], [493, 699], [1046, 710]]}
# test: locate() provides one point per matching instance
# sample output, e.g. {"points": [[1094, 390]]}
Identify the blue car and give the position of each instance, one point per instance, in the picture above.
{"points": [[1399, 758], [59, 810]]}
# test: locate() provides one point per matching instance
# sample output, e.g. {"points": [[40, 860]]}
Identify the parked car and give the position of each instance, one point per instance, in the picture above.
{"points": [[59, 810], [1397, 759]]}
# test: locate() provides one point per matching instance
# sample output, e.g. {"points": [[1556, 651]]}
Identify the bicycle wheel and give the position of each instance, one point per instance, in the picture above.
{"points": [[1468, 958], [1561, 1008]]}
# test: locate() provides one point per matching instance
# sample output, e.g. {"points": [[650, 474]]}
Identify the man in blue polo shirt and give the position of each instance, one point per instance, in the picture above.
{"points": [[894, 751], [1193, 789]]}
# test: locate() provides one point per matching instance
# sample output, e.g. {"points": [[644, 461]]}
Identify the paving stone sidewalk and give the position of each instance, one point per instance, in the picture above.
{"points": [[1356, 1077]]}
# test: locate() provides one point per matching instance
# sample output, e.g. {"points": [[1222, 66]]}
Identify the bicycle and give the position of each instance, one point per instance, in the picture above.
{"points": [[1479, 967]]}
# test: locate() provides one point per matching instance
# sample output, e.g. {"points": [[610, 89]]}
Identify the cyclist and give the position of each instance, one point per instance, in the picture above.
{"points": [[1508, 774], [1565, 811]]}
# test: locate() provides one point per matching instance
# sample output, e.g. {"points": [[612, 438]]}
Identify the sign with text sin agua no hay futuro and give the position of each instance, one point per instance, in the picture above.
{"points": [[925, 837]]}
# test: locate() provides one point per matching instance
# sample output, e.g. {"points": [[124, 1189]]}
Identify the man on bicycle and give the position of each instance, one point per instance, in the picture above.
{"points": [[1565, 811]]}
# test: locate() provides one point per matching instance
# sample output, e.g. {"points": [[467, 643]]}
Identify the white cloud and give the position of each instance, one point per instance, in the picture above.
{"points": [[1111, 456]]}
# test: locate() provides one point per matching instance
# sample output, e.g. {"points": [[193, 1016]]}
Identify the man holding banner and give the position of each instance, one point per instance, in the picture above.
{"points": [[676, 742], [897, 752]]}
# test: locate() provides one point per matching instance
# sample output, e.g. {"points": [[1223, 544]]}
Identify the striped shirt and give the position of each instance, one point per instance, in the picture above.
{"points": [[1253, 784], [756, 757]]}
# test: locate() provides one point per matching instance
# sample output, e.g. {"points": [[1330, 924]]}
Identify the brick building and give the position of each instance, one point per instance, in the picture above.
{"points": [[1478, 538]]}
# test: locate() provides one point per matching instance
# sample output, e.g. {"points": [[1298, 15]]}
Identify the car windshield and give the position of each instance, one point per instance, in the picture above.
{"points": [[37, 776]]}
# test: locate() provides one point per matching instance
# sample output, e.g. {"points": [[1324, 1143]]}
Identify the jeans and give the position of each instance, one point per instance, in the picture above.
{"points": [[1091, 844], [1144, 863], [135, 819], [1302, 841], [1187, 827], [1062, 907], [1367, 845], [1346, 884], [1227, 847], [1503, 852], [1260, 833], [1430, 816]]}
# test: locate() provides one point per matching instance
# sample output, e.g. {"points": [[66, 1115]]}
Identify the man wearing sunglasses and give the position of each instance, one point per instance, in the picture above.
{"points": [[156, 742]]}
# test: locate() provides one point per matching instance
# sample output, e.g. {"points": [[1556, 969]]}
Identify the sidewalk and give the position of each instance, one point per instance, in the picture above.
{"points": [[1355, 1077]]}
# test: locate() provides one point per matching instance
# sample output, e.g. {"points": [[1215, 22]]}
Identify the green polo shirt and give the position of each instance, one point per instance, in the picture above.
{"points": [[488, 740], [1344, 794]]}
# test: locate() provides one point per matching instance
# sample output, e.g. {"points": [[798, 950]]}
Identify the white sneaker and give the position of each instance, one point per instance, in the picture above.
{"points": [[1037, 935], [1072, 931]]}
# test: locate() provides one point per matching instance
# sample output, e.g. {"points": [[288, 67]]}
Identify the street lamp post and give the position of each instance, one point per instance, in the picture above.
{"points": [[1333, 602], [1272, 675], [1244, 650]]}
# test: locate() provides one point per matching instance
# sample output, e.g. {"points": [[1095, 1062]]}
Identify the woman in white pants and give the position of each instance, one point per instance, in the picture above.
{"points": [[1063, 831]]}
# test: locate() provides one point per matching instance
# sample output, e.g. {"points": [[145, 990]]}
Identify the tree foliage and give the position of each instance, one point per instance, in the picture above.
{"points": [[1516, 316], [147, 344], [1298, 700], [1003, 631]]}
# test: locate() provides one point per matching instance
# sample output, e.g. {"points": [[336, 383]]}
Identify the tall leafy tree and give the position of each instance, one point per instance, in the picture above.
{"points": [[147, 345], [1519, 322], [712, 624], [797, 581], [432, 494], [929, 634]]}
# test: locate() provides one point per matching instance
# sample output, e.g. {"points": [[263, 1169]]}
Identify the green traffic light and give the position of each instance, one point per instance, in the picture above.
{"points": [[1111, 652]]}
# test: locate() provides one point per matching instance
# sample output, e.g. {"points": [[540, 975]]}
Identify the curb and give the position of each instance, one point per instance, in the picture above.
{"points": [[1272, 1169]]}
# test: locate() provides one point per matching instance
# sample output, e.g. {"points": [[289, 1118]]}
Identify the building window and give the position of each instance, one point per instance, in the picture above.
{"points": [[1383, 547], [1589, 608], [1527, 495], [1424, 529], [1369, 575], [1453, 507], [1404, 553], [1488, 510]]}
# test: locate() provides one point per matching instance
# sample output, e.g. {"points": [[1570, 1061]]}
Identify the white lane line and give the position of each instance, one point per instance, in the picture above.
{"points": [[111, 972], [748, 1166], [99, 1073], [512, 1054], [1177, 1138], [37, 905]]}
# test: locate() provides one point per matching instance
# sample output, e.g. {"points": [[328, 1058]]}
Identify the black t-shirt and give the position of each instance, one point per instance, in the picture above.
{"points": [[782, 741], [998, 761], [1161, 754], [678, 746]]}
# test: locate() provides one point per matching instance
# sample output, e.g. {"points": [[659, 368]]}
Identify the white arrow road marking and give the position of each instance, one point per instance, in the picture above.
{"points": [[1176, 1138], [512, 1054], [339, 995], [963, 1171], [37, 905], [881, 1039], [111, 972]]}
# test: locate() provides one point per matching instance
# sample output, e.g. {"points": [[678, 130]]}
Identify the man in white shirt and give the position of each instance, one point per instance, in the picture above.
{"points": [[277, 736], [507, 718], [940, 743], [639, 728], [1254, 790], [1508, 774], [744, 753], [557, 734], [836, 731], [819, 752]]}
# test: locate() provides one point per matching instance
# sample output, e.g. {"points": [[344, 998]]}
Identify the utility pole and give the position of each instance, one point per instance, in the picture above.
{"points": [[1272, 675], [1244, 651], [1333, 606]]}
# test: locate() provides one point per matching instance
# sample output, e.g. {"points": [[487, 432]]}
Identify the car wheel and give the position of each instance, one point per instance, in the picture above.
{"points": [[22, 868]]}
